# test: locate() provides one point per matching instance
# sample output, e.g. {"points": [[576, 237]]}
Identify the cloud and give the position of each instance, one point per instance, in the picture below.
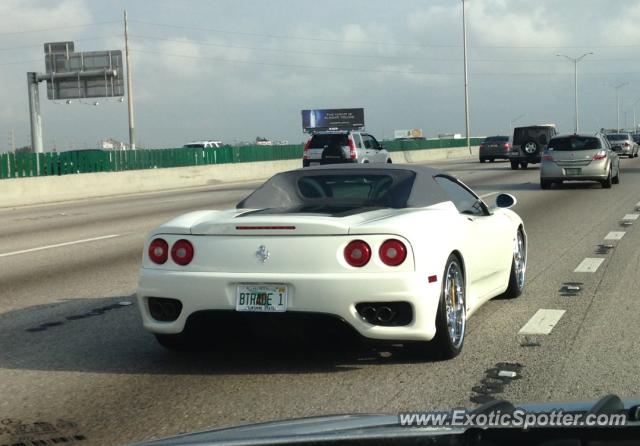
{"points": [[22, 15], [403, 64]]}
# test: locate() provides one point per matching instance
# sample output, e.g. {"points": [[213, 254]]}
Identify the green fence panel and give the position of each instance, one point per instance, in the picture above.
{"points": [[4, 166], [78, 161], [12, 166]]}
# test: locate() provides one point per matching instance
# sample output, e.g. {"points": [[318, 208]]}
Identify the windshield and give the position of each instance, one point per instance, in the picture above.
{"points": [[316, 191], [539, 135], [574, 143], [329, 140], [618, 137], [216, 213]]}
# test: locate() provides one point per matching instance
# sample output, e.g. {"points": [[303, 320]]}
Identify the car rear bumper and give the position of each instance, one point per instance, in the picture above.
{"points": [[624, 150], [496, 154], [330, 294], [595, 171], [521, 158], [317, 162]]}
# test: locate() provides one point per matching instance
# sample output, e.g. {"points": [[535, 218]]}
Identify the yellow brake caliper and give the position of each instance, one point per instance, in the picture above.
{"points": [[454, 293]]}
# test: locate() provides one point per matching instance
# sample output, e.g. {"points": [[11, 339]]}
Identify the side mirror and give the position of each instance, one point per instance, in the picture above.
{"points": [[505, 201]]}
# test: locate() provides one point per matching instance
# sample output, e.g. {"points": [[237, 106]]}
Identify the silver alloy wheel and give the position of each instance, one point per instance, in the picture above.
{"points": [[520, 259], [454, 299], [530, 147]]}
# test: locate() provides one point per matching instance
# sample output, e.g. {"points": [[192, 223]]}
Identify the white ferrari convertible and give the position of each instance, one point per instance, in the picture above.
{"points": [[399, 253]]}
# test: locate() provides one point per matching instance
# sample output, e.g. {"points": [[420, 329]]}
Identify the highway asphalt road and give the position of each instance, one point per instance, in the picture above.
{"points": [[73, 357]]}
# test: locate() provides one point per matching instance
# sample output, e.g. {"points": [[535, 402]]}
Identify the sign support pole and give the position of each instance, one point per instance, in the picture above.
{"points": [[132, 132], [35, 117]]}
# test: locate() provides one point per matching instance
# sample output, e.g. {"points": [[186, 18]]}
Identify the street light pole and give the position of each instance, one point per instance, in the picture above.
{"points": [[514, 120], [617, 88], [466, 78], [575, 61], [635, 126]]}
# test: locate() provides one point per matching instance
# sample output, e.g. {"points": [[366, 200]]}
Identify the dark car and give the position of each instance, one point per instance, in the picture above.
{"points": [[528, 144], [494, 147]]}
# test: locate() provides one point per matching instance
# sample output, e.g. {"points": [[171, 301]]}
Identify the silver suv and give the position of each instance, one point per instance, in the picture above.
{"points": [[335, 147]]}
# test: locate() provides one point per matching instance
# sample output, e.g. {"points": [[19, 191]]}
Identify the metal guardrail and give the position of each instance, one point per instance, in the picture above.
{"points": [[21, 165]]}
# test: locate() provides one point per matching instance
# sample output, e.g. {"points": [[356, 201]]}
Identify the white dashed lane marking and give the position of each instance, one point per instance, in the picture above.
{"points": [[542, 322], [589, 265], [58, 245], [631, 217], [615, 235]]}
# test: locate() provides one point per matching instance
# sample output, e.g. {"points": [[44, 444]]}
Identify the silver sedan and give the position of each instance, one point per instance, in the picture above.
{"points": [[579, 158], [625, 142]]}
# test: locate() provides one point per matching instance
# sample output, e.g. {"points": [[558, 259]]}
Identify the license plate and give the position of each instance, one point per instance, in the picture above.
{"points": [[264, 298], [573, 171]]}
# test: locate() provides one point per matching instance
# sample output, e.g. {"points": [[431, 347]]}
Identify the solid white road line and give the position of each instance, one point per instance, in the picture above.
{"points": [[615, 235], [58, 245], [631, 217], [589, 265], [542, 322]]}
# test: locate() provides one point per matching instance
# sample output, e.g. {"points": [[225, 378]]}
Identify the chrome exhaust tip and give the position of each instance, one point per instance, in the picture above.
{"points": [[369, 314], [385, 314]]}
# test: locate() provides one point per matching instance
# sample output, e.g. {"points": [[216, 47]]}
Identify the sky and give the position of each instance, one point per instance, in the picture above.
{"points": [[233, 70]]}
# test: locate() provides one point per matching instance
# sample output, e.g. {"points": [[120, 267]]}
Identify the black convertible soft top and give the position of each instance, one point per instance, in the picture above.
{"points": [[401, 186]]}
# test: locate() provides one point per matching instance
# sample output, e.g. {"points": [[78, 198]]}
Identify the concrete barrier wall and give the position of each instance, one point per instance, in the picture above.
{"points": [[49, 189]]}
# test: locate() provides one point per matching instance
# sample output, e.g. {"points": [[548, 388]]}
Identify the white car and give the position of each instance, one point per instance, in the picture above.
{"points": [[401, 253], [203, 145]]}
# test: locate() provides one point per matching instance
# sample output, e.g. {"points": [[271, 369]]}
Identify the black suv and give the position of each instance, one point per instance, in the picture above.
{"points": [[529, 143]]}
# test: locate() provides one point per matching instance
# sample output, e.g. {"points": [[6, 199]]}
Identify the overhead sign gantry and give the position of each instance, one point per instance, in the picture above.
{"points": [[73, 75]]}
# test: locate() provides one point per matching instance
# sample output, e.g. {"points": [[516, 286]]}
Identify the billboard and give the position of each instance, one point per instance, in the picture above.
{"points": [[332, 119], [412, 133], [76, 75]]}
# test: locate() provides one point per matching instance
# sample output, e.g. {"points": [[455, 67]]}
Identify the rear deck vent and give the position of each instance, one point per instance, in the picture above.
{"points": [[265, 228]]}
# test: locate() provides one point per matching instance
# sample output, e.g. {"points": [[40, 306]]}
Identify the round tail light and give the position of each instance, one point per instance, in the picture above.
{"points": [[182, 252], [158, 251], [393, 252], [357, 253]]}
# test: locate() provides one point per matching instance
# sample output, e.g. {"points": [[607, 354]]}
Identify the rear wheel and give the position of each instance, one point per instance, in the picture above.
{"points": [[492, 160], [606, 184], [530, 147], [524, 165], [545, 184], [451, 316], [514, 165], [616, 179], [483, 160], [518, 267]]}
